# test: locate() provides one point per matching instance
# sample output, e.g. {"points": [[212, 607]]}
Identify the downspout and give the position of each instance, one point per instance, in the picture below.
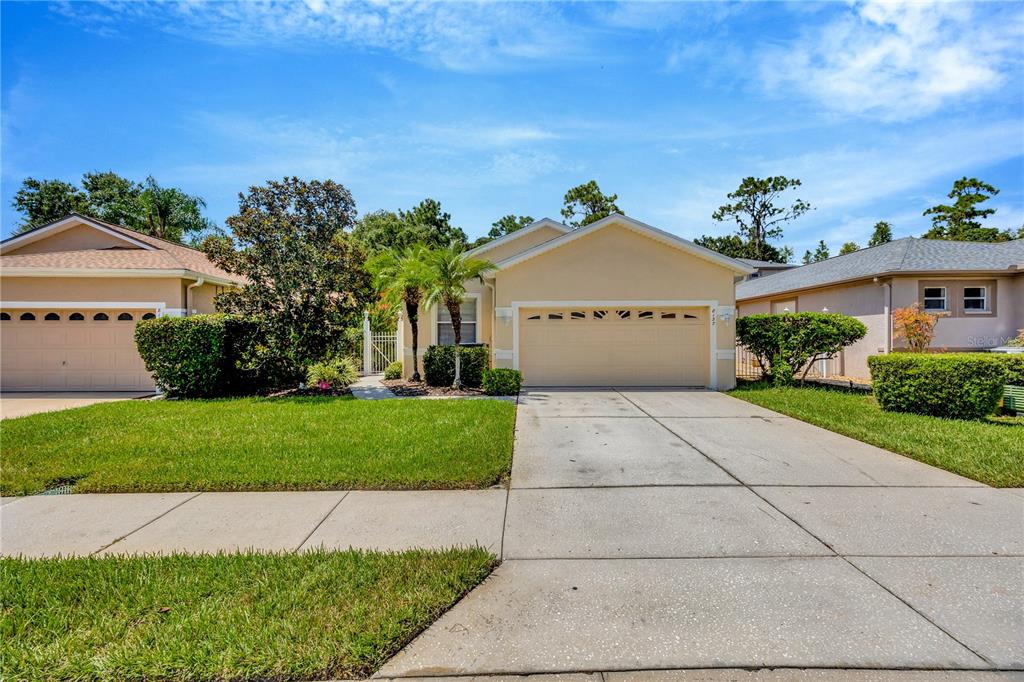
{"points": [[887, 304], [189, 295], [494, 318]]}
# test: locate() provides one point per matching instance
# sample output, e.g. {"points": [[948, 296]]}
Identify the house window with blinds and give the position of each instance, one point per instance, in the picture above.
{"points": [[445, 333]]}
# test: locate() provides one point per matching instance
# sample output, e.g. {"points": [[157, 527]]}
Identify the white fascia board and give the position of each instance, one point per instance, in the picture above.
{"points": [[91, 305], [65, 223], [637, 226], [114, 272], [512, 236]]}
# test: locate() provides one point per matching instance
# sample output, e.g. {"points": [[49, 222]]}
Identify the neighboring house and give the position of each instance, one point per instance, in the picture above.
{"points": [[72, 292], [615, 303], [977, 288], [763, 268]]}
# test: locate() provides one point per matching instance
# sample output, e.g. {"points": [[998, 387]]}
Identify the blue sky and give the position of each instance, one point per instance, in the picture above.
{"points": [[499, 108]]}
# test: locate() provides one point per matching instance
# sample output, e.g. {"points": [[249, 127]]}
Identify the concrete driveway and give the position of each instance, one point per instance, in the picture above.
{"points": [[677, 529], [22, 404]]}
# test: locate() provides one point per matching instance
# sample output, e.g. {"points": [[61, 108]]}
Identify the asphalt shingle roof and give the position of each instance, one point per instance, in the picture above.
{"points": [[909, 254], [167, 255]]}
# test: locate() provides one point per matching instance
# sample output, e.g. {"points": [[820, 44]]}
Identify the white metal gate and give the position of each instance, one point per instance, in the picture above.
{"points": [[380, 349]]}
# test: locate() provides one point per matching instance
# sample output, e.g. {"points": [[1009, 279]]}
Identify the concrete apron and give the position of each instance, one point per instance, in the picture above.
{"points": [[671, 529]]}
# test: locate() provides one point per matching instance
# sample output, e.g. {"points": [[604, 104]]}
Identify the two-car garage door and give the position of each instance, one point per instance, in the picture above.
{"points": [[614, 346], [71, 350]]}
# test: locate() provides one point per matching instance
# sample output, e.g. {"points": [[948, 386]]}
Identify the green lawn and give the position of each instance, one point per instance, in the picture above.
{"points": [[260, 444], [319, 615], [990, 451]]}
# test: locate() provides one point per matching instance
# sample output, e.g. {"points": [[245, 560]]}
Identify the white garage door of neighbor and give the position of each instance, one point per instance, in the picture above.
{"points": [[614, 346], [71, 350]]}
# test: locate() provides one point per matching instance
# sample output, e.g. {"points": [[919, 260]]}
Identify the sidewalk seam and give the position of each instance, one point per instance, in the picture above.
{"points": [[321, 522], [155, 518]]}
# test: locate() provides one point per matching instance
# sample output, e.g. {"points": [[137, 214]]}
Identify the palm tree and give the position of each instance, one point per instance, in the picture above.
{"points": [[402, 276], [449, 271], [168, 212]]}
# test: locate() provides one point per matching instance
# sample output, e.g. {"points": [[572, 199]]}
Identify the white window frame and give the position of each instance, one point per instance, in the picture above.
{"points": [[434, 320], [984, 297], [925, 298]]}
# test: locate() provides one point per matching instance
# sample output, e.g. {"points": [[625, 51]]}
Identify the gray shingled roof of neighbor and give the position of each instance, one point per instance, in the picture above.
{"points": [[754, 263], [907, 255]]}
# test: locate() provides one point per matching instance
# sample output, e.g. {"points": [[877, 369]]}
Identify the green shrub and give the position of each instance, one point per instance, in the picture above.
{"points": [[197, 356], [785, 343], [502, 381], [337, 373], [954, 385], [1013, 363], [394, 370], [439, 365]]}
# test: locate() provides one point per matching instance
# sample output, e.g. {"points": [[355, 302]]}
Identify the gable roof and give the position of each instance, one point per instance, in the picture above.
{"points": [[521, 232], [907, 255], [636, 226], [766, 264], [150, 254]]}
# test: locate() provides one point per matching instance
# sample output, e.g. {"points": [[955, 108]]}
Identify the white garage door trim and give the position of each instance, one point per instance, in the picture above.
{"points": [[710, 305]]}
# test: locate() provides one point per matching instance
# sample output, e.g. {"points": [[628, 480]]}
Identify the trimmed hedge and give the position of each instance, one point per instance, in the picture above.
{"points": [[439, 365], [197, 356], [952, 385], [1013, 363], [784, 343], [502, 381]]}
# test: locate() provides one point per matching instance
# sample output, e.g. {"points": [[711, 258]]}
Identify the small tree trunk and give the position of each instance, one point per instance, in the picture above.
{"points": [[412, 311], [456, 315]]}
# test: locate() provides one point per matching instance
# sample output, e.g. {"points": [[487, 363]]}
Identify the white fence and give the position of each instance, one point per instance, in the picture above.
{"points": [[822, 368], [380, 349]]}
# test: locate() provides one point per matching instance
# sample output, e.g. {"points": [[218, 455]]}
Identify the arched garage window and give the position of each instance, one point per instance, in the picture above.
{"points": [[100, 317], [125, 317], [52, 317], [27, 317], [5, 316], [149, 316], [76, 317]]}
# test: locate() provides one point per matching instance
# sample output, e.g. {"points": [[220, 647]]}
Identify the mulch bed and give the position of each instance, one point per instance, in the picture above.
{"points": [[312, 392], [413, 389]]}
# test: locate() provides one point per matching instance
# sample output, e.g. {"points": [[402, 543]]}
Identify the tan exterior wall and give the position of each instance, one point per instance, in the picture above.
{"points": [[85, 289], [864, 301], [963, 331], [428, 326], [528, 241], [202, 298], [867, 302], [611, 264], [77, 238]]}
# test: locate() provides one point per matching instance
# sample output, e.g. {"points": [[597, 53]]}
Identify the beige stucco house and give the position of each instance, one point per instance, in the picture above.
{"points": [[72, 292], [977, 289], [615, 303]]}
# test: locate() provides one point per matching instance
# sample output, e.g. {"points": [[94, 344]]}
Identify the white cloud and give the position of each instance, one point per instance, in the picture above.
{"points": [[461, 36], [899, 61], [485, 136], [517, 168]]}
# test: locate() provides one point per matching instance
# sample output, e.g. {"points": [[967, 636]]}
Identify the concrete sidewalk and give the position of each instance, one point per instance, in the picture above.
{"points": [[23, 404], [273, 521]]}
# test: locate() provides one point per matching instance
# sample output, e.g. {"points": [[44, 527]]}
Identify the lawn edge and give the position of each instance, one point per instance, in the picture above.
{"points": [[739, 394]]}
